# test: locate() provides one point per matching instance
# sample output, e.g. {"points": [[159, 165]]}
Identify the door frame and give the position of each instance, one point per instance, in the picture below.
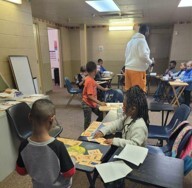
{"points": [[61, 71]]}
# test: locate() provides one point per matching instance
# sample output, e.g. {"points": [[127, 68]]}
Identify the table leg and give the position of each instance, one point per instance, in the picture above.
{"points": [[162, 121], [90, 179], [95, 175], [180, 92], [175, 99], [167, 115]]}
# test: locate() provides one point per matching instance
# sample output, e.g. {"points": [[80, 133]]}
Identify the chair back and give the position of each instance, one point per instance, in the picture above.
{"points": [[68, 84], [18, 118], [181, 114]]}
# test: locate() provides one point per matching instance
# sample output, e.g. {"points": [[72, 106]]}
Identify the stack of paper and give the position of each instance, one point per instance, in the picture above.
{"points": [[113, 171], [133, 154]]}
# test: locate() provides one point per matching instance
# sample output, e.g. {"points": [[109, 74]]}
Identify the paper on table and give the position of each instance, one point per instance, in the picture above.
{"points": [[112, 171], [133, 154], [4, 95], [37, 95]]}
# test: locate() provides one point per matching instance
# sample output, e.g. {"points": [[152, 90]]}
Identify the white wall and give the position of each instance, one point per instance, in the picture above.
{"points": [[160, 46], [181, 47], [16, 37]]}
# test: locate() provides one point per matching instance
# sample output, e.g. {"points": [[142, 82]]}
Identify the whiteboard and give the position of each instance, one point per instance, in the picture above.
{"points": [[22, 74]]}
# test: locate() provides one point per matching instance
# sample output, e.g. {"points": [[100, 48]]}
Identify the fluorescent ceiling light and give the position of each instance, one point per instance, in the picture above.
{"points": [[103, 5], [15, 1], [120, 28], [185, 3]]}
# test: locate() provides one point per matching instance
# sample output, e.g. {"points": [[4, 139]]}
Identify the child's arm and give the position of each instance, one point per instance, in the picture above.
{"points": [[102, 88], [81, 82], [96, 101], [113, 127], [138, 137], [66, 164], [187, 79]]}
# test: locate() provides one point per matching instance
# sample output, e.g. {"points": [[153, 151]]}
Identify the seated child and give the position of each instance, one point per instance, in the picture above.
{"points": [[177, 75], [161, 87], [81, 77], [43, 157], [187, 77], [171, 69], [180, 73], [100, 64], [90, 102], [133, 124]]}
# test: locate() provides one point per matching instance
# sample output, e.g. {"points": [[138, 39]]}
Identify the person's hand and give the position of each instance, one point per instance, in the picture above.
{"points": [[103, 104], [109, 141], [106, 89], [98, 134]]}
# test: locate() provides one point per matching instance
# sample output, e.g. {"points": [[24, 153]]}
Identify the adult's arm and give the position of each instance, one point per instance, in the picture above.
{"points": [[144, 52]]}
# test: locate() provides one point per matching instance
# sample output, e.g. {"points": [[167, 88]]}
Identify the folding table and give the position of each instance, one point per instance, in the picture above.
{"points": [[174, 85]]}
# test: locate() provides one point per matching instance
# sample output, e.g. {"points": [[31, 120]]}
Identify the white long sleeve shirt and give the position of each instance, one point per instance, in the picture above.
{"points": [[134, 134], [137, 54]]}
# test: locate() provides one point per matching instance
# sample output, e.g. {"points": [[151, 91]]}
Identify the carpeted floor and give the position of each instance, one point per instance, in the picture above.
{"points": [[71, 119]]}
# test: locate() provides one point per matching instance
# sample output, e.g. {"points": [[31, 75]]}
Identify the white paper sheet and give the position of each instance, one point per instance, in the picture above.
{"points": [[4, 95], [112, 171], [133, 154], [37, 95]]}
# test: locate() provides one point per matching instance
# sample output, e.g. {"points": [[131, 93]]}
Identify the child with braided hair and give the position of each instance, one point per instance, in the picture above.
{"points": [[133, 124]]}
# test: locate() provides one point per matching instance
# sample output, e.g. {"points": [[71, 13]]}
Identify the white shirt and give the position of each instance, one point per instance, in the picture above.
{"points": [[137, 54], [134, 134]]}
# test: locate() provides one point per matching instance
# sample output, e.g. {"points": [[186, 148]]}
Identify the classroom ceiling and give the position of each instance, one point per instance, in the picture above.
{"points": [[75, 12]]}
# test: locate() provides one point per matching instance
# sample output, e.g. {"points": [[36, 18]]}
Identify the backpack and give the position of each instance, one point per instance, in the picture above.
{"points": [[182, 147], [113, 96]]}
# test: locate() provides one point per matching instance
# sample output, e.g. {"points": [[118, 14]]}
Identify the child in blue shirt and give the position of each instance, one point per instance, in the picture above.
{"points": [[187, 77], [100, 63]]}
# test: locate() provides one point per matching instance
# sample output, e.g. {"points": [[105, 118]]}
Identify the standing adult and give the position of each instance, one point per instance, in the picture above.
{"points": [[137, 59]]}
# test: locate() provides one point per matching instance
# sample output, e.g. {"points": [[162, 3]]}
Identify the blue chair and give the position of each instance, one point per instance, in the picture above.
{"points": [[18, 118], [166, 150], [164, 132], [71, 90]]}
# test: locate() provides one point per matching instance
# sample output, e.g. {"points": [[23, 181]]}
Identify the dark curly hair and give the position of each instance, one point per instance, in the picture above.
{"points": [[136, 97]]}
